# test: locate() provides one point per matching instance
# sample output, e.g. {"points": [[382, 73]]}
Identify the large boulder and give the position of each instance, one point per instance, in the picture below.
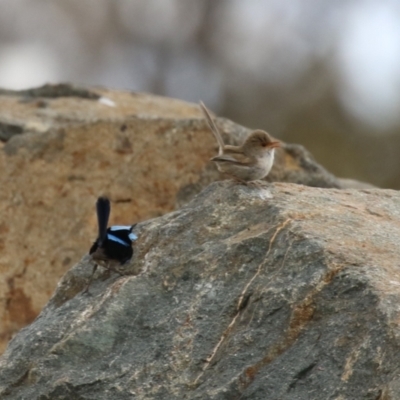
{"points": [[62, 146], [269, 291]]}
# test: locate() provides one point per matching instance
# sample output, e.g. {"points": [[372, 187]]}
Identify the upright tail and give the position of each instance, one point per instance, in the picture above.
{"points": [[213, 127], [103, 214]]}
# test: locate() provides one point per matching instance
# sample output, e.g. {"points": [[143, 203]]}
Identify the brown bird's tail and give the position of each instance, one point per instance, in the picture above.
{"points": [[213, 127]]}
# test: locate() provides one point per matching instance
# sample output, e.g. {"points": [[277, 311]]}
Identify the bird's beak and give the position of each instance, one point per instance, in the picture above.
{"points": [[275, 144]]}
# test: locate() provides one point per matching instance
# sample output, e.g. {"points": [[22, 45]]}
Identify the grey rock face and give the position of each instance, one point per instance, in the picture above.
{"points": [[276, 291]]}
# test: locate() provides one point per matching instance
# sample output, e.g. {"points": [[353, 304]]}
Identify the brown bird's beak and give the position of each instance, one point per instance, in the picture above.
{"points": [[274, 144]]}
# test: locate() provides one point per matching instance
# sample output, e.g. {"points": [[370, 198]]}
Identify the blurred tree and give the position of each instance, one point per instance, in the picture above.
{"points": [[325, 74]]}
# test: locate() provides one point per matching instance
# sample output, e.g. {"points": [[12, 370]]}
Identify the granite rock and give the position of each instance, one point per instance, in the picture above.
{"points": [[62, 146], [273, 291]]}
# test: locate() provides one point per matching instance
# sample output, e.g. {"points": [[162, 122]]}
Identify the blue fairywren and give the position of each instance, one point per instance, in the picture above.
{"points": [[113, 247]]}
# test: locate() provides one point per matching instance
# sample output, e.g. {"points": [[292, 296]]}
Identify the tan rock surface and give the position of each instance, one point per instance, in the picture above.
{"points": [[63, 147]]}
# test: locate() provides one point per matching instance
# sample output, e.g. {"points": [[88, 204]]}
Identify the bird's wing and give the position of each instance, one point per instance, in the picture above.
{"points": [[235, 158], [213, 127], [228, 149]]}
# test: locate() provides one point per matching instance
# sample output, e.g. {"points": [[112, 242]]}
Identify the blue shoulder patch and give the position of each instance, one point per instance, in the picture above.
{"points": [[120, 228], [116, 239]]}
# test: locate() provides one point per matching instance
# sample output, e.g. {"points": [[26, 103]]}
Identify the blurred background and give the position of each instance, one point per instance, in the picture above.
{"points": [[322, 73]]}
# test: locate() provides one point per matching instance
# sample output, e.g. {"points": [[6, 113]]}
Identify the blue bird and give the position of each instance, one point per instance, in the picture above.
{"points": [[113, 247]]}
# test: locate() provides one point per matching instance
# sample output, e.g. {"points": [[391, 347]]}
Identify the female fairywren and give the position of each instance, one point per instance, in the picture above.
{"points": [[251, 161]]}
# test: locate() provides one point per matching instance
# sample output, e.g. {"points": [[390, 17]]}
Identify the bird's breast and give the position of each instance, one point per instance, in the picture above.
{"points": [[267, 159]]}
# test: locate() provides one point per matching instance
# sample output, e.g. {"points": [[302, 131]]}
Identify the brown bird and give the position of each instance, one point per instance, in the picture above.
{"points": [[249, 162]]}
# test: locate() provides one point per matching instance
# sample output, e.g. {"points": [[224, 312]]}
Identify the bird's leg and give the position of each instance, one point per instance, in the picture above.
{"points": [[108, 271], [259, 184], [113, 268], [254, 184], [239, 181], [91, 278]]}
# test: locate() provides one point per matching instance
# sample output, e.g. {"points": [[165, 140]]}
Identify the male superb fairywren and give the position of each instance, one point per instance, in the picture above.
{"points": [[113, 247]]}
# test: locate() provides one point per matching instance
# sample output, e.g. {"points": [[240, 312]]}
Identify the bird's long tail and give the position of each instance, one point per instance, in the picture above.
{"points": [[103, 214], [213, 127]]}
